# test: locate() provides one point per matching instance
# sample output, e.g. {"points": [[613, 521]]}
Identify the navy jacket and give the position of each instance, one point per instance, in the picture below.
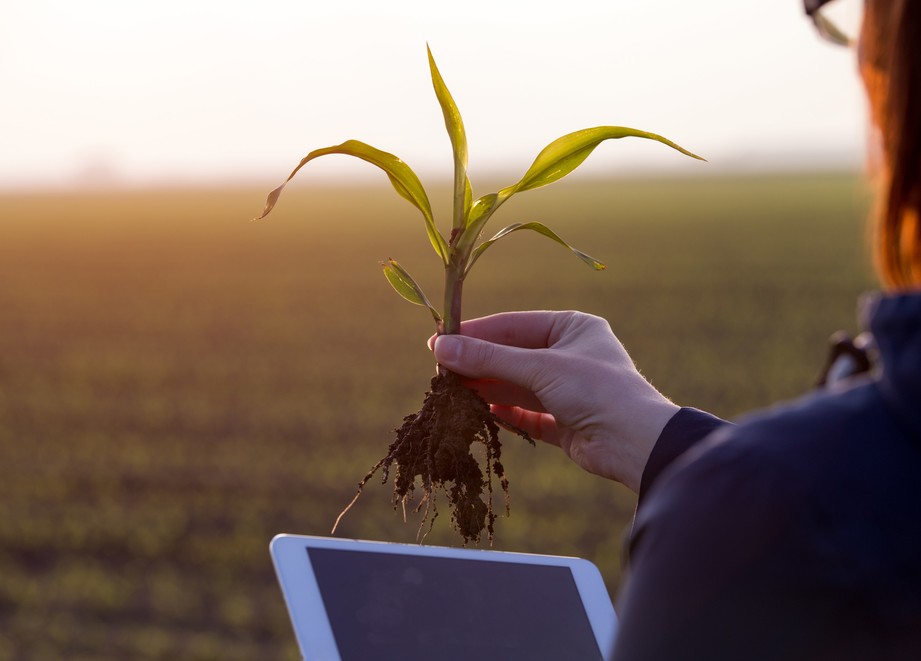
{"points": [[793, 535]]}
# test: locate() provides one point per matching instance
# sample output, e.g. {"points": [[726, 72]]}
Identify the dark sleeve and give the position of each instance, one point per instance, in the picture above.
{"points": [[709, 560], [686, 428]]}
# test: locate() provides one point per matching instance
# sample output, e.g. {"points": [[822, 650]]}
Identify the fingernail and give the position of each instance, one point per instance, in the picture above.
{"points": [[447, 349], [430, 343]]}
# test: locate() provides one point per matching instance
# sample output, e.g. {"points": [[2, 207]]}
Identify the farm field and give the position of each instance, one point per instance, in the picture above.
{"points": [[178, 384]]}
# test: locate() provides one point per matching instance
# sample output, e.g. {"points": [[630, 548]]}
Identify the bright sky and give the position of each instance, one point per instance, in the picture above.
{"points": [[202, 90]]}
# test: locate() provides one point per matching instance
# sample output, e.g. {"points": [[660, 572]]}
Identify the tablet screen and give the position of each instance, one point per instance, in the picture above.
{"points": [[390, 606]]}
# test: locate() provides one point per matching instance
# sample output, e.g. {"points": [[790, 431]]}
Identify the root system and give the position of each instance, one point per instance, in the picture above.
{"points": [[435, 445]]}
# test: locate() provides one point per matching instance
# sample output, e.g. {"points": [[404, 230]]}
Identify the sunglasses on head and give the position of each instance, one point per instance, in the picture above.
{"points": [[837, 21]]}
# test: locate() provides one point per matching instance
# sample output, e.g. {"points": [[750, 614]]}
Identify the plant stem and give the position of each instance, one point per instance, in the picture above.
{"points": [[454, 286]]}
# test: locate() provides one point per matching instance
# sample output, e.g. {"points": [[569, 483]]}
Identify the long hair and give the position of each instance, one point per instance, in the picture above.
{"points": [[892, 71]]}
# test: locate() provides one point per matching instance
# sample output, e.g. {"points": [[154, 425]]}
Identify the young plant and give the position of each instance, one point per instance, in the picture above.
{"points": [[434, 444]]}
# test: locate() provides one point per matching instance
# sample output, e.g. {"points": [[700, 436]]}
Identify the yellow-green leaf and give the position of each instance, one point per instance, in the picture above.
{"points": [[406, 287], [565, 154], [454, 123], [477, 217], [401, 176], [540, 228]]}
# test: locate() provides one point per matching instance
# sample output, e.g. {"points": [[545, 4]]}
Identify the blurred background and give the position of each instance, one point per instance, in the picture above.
{"points": [[105, 92], [178, 384]]}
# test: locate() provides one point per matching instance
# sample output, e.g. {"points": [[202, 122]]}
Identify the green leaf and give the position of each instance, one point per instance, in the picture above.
{"points": [[540, 228], [401, 176], [455, 125], [482, 209], [565, 154], [554, 162], [406, 287], [479, 214]]}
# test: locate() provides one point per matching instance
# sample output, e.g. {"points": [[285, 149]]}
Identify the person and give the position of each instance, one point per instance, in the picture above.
{"points": [[795, 533]]}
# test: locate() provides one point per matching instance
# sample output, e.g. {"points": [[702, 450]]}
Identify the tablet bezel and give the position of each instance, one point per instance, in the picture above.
{"points": [[302, 593]]}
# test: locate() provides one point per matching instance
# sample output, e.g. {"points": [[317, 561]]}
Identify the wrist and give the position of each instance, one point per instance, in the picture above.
{"points": [[644, 425]]}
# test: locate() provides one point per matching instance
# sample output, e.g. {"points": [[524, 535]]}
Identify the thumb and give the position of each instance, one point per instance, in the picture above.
{"points": [[479, 359]]}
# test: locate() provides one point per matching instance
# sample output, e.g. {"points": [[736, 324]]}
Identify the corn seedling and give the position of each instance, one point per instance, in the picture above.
{"points": [[433, 445]]}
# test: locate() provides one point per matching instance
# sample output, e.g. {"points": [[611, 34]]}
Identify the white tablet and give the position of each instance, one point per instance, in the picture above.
{"points": [[358, 600]]}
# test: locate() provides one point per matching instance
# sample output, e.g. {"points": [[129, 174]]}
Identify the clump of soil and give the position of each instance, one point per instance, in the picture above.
{"points": [[434, 445]]}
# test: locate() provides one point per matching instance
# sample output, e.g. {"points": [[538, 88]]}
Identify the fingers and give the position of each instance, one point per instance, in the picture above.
{"points": [[481, 359], [505, 394], [528, 330], [536, 329], [539, 426], [531, 350]]}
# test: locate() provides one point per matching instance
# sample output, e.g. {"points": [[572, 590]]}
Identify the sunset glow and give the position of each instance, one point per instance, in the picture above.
{"points": [[107, 92]]}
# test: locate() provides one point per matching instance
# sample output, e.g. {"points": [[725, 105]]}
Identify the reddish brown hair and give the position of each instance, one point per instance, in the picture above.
{"points": [[891, 65]]}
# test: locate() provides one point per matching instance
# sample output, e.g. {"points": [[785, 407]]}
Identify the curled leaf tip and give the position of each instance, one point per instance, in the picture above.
{"points": [[270, 202]]}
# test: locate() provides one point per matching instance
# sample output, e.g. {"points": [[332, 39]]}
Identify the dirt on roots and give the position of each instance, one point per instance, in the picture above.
{"points": [[435, 445]]}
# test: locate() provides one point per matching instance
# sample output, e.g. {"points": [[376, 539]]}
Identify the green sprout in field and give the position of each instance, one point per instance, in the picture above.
{"points": [[434, 444]]}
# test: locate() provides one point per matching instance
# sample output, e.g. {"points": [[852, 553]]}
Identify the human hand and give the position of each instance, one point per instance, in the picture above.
{"points": [[564, 378]]}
